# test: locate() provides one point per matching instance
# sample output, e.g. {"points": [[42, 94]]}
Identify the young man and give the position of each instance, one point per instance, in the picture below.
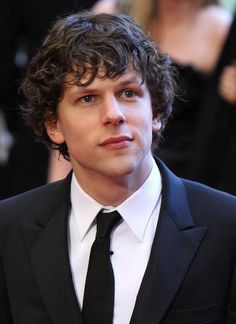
{"points": [[98, 90]]}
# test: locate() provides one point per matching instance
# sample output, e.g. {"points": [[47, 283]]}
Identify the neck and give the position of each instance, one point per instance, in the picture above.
{"points": [[112, 190]]}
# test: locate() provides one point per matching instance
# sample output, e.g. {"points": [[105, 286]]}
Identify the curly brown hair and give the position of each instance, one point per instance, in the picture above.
{"points": [[84, 40]]}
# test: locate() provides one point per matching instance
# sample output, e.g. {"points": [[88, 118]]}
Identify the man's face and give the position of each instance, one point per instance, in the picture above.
{"points": [[107, 127]]}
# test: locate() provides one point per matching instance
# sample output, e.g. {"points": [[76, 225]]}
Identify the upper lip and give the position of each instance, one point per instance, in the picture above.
{"points": [[115, 139]]}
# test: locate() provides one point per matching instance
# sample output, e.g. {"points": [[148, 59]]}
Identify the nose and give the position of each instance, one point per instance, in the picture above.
{"points": [[112, 112]]}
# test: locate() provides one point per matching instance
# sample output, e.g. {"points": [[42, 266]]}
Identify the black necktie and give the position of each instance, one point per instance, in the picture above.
{"points": [[99, 287]]}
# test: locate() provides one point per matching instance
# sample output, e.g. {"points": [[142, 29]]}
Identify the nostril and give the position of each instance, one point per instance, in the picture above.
{"points": [[121, 121], [114, 119]]}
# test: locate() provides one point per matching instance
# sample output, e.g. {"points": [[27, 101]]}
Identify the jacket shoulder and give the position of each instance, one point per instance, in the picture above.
{"points": [[209, 203], [27, 206]]}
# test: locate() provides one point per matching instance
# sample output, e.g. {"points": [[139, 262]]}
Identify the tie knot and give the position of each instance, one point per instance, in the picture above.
{"points": [[106, 222]]}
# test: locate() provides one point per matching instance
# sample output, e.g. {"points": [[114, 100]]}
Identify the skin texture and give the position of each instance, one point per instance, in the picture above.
{"points": [[108, 129]]}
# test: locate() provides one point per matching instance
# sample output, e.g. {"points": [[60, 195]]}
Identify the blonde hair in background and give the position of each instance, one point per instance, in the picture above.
{"points": [[139, 10], [143, 10]]}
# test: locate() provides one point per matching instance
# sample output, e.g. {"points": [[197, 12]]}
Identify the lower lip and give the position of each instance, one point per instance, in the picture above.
{"points": [[117, 145]]}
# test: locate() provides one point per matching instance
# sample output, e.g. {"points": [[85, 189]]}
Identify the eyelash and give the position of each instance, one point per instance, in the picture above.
{"points": [[124, 93], [88, 96], [129, 91]]}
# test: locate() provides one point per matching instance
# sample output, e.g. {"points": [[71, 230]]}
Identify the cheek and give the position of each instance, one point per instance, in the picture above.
{"points": [[79, 136], [144, 129]]}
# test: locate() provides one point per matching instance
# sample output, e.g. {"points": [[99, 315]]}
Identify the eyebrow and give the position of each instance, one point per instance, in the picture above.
{"points": [[89, 88], [130, 80]]}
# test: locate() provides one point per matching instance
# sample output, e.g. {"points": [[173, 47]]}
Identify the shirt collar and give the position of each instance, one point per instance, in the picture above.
{"points": [[84, 208], [136, 210]]}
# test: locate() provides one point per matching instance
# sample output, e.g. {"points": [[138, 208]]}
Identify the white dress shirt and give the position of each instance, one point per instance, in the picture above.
{"points": [[131, 241]]}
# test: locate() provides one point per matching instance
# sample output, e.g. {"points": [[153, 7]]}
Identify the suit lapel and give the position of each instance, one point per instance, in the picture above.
{"points": [[175, 245], [48, 250]]}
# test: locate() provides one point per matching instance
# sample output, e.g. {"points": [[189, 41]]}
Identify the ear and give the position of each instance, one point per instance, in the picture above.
{"points": [[156, 125], [54, 131]]}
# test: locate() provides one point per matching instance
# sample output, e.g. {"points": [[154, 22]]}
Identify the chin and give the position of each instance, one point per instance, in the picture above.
{"points": [[122, 168]]}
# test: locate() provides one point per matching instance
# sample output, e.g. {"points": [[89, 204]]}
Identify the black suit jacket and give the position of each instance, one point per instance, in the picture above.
{"points": [[190, 277]]}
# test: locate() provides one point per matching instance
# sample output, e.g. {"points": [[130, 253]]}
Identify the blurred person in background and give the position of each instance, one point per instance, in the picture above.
{"points": [[23, 24], [199, 141]]}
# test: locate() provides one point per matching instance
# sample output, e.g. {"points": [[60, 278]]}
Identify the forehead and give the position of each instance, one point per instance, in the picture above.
{"points": [[130, 75]]}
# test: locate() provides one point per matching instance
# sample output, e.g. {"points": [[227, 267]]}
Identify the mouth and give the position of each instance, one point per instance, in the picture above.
{"points": [[116, 142]]}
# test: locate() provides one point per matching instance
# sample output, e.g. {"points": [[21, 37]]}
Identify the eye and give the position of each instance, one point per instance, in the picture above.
{"points": [[128, 93], [87, 99]]}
